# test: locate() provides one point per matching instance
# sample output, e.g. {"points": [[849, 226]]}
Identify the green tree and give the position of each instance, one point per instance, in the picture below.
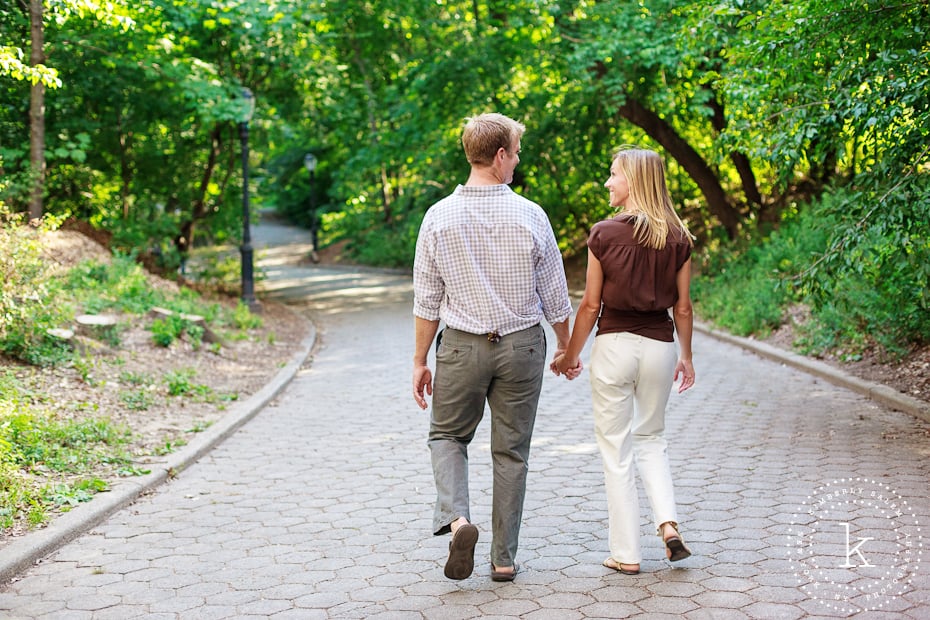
{"points": [[845, 93], [647, 67], [39, 75]]}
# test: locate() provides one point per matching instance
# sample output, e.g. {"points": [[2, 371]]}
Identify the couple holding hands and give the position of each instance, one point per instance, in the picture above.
{"points": [[488, 266]]}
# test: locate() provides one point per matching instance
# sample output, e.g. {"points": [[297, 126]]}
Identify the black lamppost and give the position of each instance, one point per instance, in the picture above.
{"points": [[248, 275], [310, 164]]}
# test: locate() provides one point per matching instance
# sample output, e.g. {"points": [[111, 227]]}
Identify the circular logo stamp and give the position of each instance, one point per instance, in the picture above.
{"points": [[854, 545]]}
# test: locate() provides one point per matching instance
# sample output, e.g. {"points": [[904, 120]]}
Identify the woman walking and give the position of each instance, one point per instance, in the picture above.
{"points": [[639, 266]]}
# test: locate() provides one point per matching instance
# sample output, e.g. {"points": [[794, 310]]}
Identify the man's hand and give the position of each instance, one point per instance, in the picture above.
{"points": [[422, 382], [561, 365]]}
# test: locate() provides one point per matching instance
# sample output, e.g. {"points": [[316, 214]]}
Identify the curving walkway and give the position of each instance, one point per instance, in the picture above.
{"points": [[320, 506]]}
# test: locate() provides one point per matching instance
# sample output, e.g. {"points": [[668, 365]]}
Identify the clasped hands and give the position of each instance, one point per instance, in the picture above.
{"points": [[562, 365]]}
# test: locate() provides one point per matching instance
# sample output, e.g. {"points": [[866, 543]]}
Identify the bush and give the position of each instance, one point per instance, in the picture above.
{"points": [[872, 281], [860, 262], [747, 289], [371, 241], [30, 301]]}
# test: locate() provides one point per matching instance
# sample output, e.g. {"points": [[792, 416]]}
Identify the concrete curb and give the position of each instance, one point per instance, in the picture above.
{"points": [[879, 393], [19, 555]]}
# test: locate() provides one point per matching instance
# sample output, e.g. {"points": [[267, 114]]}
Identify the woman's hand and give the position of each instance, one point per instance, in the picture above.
{"points": [[562, 365], [685, 369]]}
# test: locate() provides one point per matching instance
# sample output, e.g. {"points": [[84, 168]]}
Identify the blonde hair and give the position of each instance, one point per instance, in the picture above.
{"points": [[485, 134], [654, 212]]}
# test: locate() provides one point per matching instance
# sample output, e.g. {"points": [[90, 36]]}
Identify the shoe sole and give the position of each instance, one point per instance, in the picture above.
{"points": [[461, 561], [678, 550]]}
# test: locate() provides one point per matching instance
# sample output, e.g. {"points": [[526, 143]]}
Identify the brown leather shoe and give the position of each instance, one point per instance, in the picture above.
{"points": [[461, 561], [502, 575]]}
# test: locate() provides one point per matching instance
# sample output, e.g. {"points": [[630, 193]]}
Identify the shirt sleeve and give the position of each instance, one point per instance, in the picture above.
{"points": [[550, 275], [594, 241], [684, 253], [428, 286]]}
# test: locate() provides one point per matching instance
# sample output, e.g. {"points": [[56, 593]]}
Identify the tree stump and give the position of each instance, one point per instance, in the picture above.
{"points": [[195, 319], [102, 327], [60, 334], [92, 324], [82, 345]]}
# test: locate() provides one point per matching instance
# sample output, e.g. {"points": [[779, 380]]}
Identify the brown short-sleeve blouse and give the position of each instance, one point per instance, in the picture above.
{"points": [[639, 281]]}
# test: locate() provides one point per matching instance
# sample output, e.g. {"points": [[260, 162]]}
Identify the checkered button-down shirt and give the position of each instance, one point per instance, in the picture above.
{"points": [[487, 262]]}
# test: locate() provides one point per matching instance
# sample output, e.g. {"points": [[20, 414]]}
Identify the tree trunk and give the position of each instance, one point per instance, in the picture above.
{"points": [[747, 177], [688, 158], [125, 164], [37, 113], [184, 242]]}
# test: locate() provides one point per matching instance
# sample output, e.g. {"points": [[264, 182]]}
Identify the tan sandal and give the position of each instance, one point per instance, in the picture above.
{"points": [[620, 567]]}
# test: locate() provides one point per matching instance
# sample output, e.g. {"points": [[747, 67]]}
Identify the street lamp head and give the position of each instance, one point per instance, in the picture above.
{"points": [[248, 107], [310, 162]]}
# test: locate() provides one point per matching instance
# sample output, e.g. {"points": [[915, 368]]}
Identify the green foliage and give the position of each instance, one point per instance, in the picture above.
{"points": [[121, 285], [864, 279], [222, 270], [135, 378], [756, 106], [61, 446], [746, 287], [374, 245], [84, 367], [165, 331], [200, 426], [138, 399], [30, 300], [180, 383], [66, 496], [244, 318], [11, 64], [36, 448], [829, 87], [872, 282]]}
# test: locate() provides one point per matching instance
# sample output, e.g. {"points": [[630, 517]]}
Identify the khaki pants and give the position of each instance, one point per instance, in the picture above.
{"points": [[507, 375]]}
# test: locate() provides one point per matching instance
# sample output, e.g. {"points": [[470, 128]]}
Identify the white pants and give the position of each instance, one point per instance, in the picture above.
{"points": [[631, 379]]}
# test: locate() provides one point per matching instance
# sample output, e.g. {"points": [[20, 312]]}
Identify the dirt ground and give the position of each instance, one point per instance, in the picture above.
{"points": [[909, 375]]}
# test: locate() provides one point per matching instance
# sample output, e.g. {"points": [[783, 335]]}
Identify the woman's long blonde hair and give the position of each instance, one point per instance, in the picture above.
{"points": [[653, 210]]}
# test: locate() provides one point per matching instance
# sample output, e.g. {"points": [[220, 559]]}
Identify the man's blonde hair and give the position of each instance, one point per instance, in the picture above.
{"points": [[485, 134], [655, 214]]}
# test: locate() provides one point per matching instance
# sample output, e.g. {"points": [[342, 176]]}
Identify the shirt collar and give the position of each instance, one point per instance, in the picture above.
{"points": [[482, 190]]}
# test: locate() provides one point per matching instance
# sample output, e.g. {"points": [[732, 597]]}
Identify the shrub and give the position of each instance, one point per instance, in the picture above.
{"points": [[30, 301], [859, 261], [873, 278], [746, 289]]}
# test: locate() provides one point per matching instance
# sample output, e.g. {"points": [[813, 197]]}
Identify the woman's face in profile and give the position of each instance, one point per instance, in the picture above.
{"points": [[617, 185]]}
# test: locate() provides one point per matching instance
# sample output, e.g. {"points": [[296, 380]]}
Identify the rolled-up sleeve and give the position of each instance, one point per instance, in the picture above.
{"points": [[550, 275], [428, 288]]}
